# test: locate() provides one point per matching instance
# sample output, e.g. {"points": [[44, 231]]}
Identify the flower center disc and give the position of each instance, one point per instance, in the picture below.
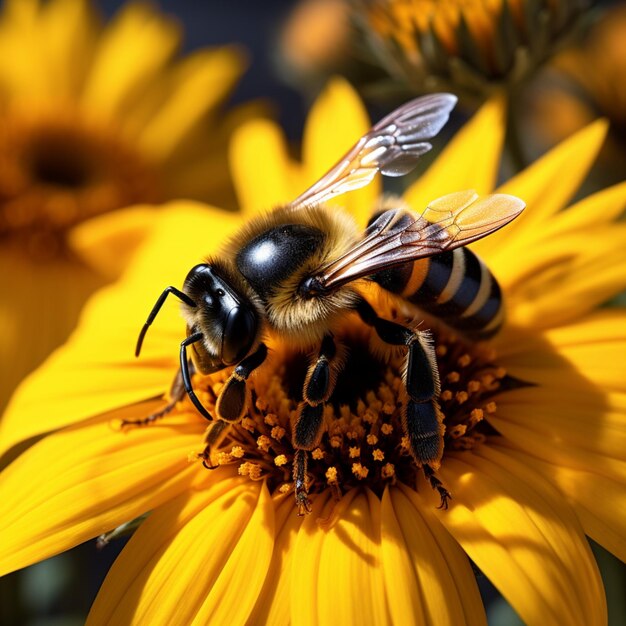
{"points": [[57, 171], [363, 440]]}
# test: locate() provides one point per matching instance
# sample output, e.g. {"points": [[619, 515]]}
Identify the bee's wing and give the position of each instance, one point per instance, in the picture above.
{"points": [[391, 147], [398, 237]]}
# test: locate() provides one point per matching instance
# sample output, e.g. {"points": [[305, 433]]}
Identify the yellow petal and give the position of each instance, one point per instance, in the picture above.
{"points": [[260, 167], [108, 242], [69, 38], [23, 67], [356, 561], [96, 370], [336, 122], [579, 418], [210, 549], [306, 561], [600, 327], [564, 278], [575, 427], [200, 82], [428, 578], [132, 52], [41, 308], [586, 355], [339, 559], [469, 161], [274, 603], [599, 502], [602, 207], [80, 482], [567, 164], [521, 533]]}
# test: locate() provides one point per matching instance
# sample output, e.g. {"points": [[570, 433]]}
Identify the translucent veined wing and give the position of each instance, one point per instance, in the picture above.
{"points": [[397, 236], [391, 147]]}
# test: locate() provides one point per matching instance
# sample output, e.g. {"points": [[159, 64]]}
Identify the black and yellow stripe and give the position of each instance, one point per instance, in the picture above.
{"points": [[454, 286]]}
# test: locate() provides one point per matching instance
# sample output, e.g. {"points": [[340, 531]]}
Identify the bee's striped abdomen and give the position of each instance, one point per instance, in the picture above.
{"points": [[454, 286]]}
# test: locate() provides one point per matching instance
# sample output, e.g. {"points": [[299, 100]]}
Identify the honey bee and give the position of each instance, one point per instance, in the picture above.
{"points": [[295, 273]]}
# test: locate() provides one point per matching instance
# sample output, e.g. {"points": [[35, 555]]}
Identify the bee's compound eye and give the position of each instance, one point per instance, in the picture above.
{"points": [[239, 331], [311, 287]]}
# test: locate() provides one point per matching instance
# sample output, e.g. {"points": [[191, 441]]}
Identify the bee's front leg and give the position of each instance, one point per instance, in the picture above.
{"points": [[307, 427], [231, 403]]}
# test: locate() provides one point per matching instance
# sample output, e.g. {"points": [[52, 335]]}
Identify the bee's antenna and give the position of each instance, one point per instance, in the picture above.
{"points": [[184, 370], [155, 310]]}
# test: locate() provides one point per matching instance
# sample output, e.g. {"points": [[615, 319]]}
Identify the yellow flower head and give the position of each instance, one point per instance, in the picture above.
{"points": [[534, 451], [467, 45], [93, 118]]}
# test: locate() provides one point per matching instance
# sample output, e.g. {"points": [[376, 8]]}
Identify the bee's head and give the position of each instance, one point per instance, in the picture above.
{"points": [[226, 318]]}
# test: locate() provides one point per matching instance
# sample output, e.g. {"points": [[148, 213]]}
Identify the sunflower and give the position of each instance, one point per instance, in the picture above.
{"points": [[584, 82], [534, 450], [92, 119], [474, 46]]}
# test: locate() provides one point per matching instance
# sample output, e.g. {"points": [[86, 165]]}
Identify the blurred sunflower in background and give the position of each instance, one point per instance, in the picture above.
{"points": [[93, 118], [534, 451], [470, 47], [583, 83]]}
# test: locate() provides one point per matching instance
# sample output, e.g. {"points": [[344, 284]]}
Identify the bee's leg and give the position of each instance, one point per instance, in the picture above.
{"points": [[231, 403], [307, 428], [422, 418], [212, 438], [176, 394], [186, 375]]}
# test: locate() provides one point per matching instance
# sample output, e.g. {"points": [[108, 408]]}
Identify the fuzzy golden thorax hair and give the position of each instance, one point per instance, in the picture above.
{"points": [[302, 322]]}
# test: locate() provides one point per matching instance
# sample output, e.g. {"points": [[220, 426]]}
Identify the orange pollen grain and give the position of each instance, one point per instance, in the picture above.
{"points": [[335, 441], [248, 424], [388, 470], [331, 475], [281, 460], [359, 471], [464, 360], [278, 432], [473, 386], [317, 454], [237, 452], [223, 458], [263, 442]]}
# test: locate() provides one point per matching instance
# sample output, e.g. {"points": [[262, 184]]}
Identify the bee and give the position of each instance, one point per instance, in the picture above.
{"points": [[295, 273]]}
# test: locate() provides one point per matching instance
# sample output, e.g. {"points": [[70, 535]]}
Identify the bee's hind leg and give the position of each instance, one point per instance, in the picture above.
{"points": [[176, 394], [421, 418], [307, 426]]}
